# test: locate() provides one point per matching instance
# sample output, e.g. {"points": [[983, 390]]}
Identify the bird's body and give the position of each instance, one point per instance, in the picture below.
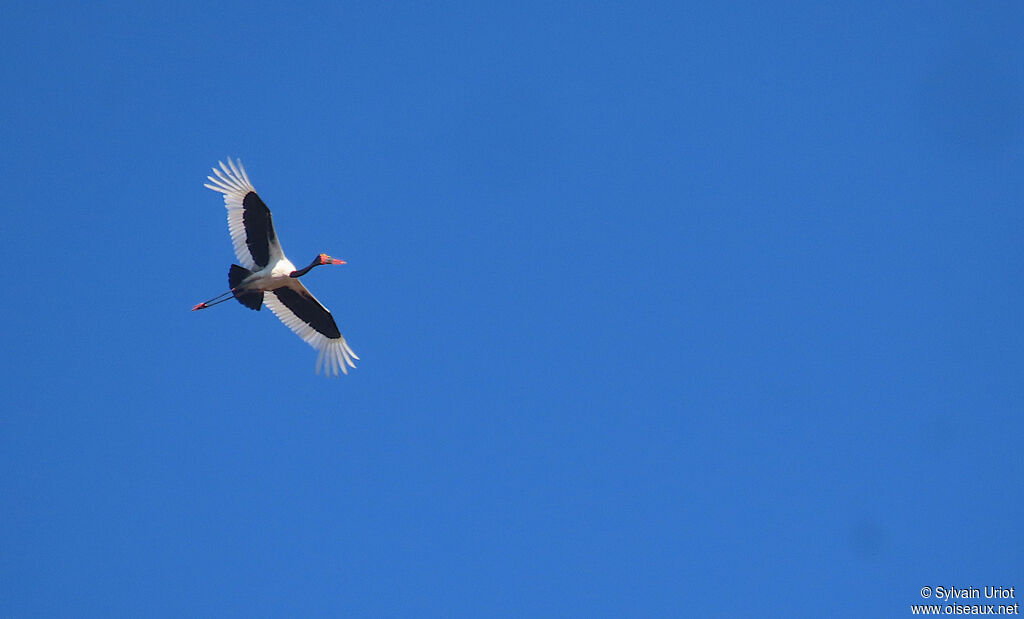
{"points": [[268, 277], [271, 277]]}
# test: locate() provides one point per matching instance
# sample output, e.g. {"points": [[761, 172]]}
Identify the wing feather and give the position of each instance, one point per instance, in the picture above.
{"points": [[299, 310], [249, 220]]}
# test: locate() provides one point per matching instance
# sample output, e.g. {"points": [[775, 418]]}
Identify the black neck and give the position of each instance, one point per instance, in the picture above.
{"points": [[301, 272]]}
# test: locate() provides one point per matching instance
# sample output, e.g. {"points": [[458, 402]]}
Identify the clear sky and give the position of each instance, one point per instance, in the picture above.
{"points": [[681, 309]]}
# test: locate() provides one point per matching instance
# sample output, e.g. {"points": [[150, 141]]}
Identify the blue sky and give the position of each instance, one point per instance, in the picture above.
{"points": [[663, 310]]}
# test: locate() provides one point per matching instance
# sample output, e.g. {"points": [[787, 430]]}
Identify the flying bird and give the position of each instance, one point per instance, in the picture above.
{"points": [[268, 277]]}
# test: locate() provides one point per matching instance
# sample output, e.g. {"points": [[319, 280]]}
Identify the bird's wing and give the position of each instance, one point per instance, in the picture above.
{"points": [[302, 313], [249, 221]]}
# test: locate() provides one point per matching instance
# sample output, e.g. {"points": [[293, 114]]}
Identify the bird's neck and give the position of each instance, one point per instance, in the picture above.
{"points": [[302, 272]]}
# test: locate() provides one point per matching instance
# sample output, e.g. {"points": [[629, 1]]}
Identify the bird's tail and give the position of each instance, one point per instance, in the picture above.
{"points": [[248, 298]]}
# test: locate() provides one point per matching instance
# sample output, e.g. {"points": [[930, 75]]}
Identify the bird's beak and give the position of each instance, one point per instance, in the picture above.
{"points": [[336, 261]]}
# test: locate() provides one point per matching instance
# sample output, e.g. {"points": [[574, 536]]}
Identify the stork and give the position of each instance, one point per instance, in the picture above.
{"points": [[267, 277]]}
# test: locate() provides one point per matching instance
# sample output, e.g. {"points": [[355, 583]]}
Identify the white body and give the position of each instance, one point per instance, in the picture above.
{"points": [[272, 276]]}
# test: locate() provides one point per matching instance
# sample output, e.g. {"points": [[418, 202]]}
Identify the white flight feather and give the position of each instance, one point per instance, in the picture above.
{"points": [[234, 183], [334, 353]]}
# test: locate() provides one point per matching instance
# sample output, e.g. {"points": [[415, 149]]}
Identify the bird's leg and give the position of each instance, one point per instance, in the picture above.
{"points": [[215, 300]]}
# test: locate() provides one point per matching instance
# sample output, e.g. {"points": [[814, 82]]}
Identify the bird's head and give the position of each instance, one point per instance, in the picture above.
{"points": [[325, 259]]}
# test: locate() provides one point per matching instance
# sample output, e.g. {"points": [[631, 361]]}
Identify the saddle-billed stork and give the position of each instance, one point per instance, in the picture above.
{"points": [[267, 277]]}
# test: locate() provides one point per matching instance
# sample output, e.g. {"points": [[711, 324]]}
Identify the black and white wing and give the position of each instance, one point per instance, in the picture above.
{"points": [[302, 313], [249, 221]]}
